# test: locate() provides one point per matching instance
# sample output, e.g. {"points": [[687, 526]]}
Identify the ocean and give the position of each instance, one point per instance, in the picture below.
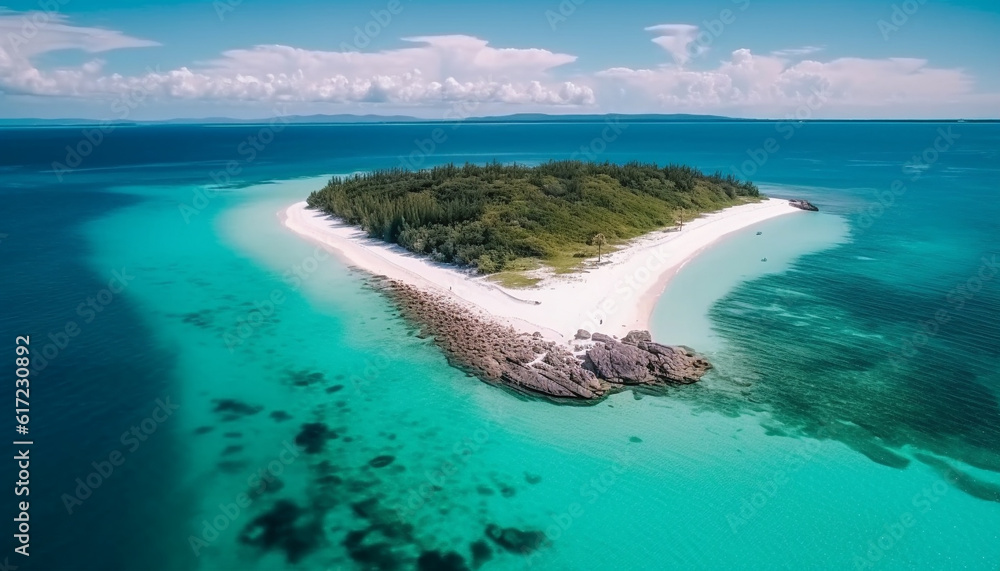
{"points": [[212, 392]]}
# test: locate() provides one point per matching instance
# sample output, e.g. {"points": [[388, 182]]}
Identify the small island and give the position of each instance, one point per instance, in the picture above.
{"points": [[509, 268]]}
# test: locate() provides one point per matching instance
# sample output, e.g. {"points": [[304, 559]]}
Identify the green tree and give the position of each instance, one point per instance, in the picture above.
{"points": [[599, 240]]}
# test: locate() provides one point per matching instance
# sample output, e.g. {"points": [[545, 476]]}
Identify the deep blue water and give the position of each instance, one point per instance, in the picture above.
{"points": [[893, 336]]}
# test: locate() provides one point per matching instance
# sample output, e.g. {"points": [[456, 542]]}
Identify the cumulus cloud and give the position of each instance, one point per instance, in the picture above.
{"points": [[431, 69], [772, 84], [677, 39]]}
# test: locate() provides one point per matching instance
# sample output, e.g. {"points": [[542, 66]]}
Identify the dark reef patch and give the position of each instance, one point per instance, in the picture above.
{"points": [[279, 529], [381, 461], [365, 508], [481, 553], [304, 378], [232, 409], [201, 319], [280, 416], [232, 449], [515, 540], [232, 466], [532, 478], [635, 439], [334, 388], [966, 482], [313, 437], [203, 430], [372, 554], [437, 561], [861, 390]]}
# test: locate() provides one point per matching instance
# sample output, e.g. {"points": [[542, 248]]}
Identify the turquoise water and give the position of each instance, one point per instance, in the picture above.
{"points": [[819, 441]]}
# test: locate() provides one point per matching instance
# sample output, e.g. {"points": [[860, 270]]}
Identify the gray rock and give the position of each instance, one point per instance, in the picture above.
{"points": [[634, 337], [803, 205], [619, 363], [498, 354], [582, 334], [602, 338]]}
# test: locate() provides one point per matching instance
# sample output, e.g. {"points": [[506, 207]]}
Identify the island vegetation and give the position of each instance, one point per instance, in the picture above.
{"points": [[506, 218]]}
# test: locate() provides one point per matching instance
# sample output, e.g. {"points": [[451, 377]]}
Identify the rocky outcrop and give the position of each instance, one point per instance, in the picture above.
{"points": [[498, 354], [804, 205], [636, 360], [582, 334]]}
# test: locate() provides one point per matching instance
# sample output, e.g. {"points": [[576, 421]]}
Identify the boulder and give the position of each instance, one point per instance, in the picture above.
{"points": [[803, 205], [582, 334], [619, 363], [634, 337], [602, 338]]}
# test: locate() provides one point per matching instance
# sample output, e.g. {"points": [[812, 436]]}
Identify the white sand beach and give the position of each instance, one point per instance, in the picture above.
{"points": [[614, 298]]}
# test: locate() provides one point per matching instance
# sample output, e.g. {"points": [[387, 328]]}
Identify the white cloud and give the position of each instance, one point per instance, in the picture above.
{"points": [[432, 70], [772, 86], [677, 39], [27, 34], [797, 52], [438, 71]]}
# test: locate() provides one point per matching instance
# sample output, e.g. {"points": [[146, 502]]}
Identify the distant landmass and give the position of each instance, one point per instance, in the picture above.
{"points": [[515, 118], [348, 118]]}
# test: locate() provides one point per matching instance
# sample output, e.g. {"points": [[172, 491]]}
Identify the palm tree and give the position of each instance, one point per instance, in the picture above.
{"points": [[681, 216], [599, 240]]}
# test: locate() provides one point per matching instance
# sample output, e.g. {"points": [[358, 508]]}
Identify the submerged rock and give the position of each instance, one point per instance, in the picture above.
{"points": [[381, 461], [279, 529], [437, 561], [232, 409], [804, 205], [515, 540], [636, 337], [639, 361], [313, 437]]}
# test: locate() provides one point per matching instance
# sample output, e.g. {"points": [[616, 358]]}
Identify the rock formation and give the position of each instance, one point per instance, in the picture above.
{"points": [[498, 354], [804, 205]]}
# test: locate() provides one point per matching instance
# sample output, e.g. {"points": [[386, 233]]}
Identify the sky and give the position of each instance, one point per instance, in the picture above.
{"points": [[151, 60]]}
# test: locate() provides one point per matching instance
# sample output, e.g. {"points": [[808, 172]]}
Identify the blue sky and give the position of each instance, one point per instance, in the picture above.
{"points": [[251, 58]]}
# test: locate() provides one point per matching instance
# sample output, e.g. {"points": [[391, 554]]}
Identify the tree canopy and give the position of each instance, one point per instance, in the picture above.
{"points": [[488, 216]]}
